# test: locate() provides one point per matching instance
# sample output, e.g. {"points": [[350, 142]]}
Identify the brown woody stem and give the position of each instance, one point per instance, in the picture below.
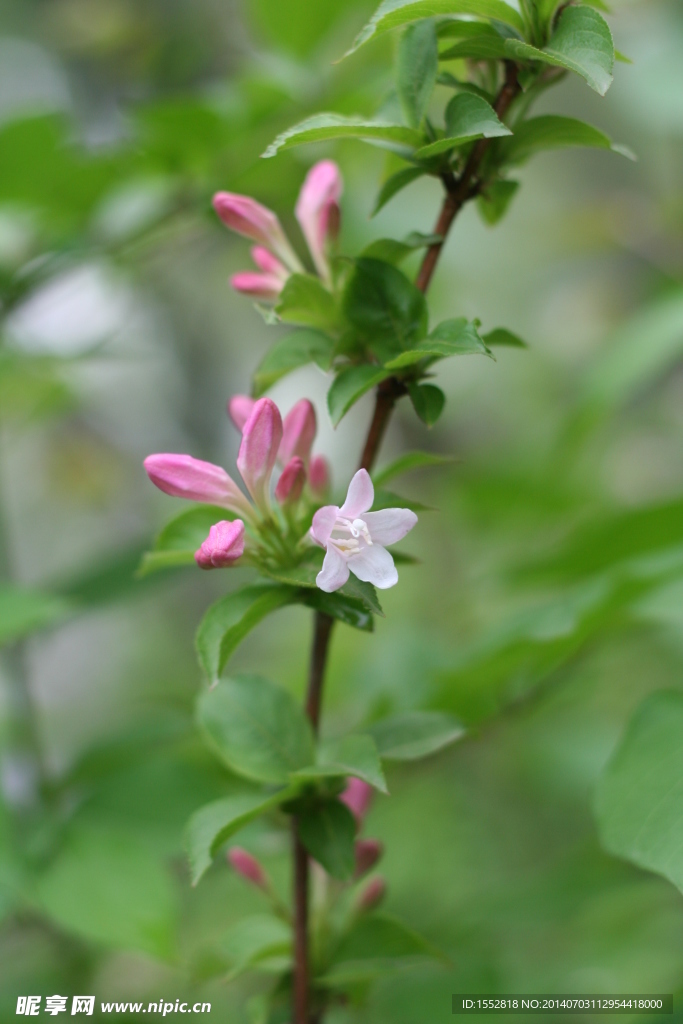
{"points": [[458, 192]]}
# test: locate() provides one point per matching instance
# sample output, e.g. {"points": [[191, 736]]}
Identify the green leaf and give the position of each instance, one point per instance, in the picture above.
{"points": [[350, 385], [212, 825], [406, 463], [505, 339], [365, 592], [389, 499], [228, 621], [394, 13], [323, 127], [468, 117], [390, 250], [395, 184], [289, 353], [328, 831], [494, 200], [349, 610], [387, 310], [551, 131], [482, 46], [351, 755], [415, 734], [581, 42], [108, 887], [180, 538], [260, 941], [256, 728], [382, 936], [305, 300], [428, 402], [639, 801], [357, 592], [417, 64], [456, 337], [23, 612]]}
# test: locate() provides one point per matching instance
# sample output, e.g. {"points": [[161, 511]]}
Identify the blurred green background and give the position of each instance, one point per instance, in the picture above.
{"points": [[120, 337]]}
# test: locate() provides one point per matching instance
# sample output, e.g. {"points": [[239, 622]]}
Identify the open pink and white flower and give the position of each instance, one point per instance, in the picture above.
{"points": [[355, 538]]}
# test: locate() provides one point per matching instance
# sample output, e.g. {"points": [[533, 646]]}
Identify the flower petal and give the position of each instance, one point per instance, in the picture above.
{"points": [[359, 497], [323, 524], [334, 573], [261, 438], [374, 565], [389, 525]]}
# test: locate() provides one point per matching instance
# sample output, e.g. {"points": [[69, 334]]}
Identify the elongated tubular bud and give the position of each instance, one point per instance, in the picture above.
{"points": [[261, 439], [372, 895], [368, 852], [260, 286], [223, 547], [248, 867], [319, 476], [240, 408], [291, 482], [357, 797], [181, 476], [298, 432], [249, 218], [317, 211], [269, 264]]}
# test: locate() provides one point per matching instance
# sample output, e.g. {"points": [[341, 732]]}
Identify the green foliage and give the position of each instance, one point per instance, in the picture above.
{"points": [[327, 829], [551, 131], [350, 385], [176, 544], [386, 309], [450, 338], [415, 734], [323, 127], [395, 184], [639, 805], [261, 941], [351, 755], [417, 64], [428, 402], [407, 462], [304, 300], [494, 201], [256, 728], [24, 611], [289, 353], [468, 117]]}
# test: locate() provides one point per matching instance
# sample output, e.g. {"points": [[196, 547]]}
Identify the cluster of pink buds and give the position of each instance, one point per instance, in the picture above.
{"points": [[266, 440], [317, 211], [357, 797]]}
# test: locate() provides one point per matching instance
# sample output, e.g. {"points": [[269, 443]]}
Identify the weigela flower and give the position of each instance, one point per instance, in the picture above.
{"points": [[247, 866], [223, 546], [355, 538], [317, 210]]}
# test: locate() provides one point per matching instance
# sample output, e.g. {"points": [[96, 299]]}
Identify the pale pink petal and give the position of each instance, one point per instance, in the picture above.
{"points": [[319, 475], [374, 565], [323, 524], [389, 525], [269, 264], [291, 482], [359, 497], [240, 408], [298, 433], [261, 439], [260, 286], [334, 573]]}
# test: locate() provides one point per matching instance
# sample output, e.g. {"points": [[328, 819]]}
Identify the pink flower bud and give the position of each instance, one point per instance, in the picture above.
{"points": [[181, 476], [261, 439], [372, 895], [319, 476], [240, 408], [357, 797], [249, 218], [260, 286], [317, 211], [223, 546], [368, 852], [291, 482], [268, 263], [248, 867], [299, 431]]}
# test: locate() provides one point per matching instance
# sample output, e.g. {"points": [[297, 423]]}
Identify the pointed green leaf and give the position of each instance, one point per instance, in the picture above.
{"points": [[351, 755], [505, 339], [328, 831], [428, 402], [394, 13], [323, 127], [305, 300], [582, 42], [364, 592], [415, 734], [382, 936], [468, 117], [350, 385], [494, 200], [386, 308], [24, 611], [212, 825], [228, 621], [256, 728], [395, 183], [483, 44], [405, 463], [289, 353], [260, 941], [349, 610], [180, 538], [456, 337], [639, 802], [417, 64], [390, 250], [551, 131]]}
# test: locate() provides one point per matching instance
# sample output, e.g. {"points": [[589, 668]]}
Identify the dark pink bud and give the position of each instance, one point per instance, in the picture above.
{"points": [[357, 797], [181, 476], [372, 895], [223, 546], [299, 431], [240, 408], [368, 852], [261, 439], [291, 482], [319, 476], [248, 867]]}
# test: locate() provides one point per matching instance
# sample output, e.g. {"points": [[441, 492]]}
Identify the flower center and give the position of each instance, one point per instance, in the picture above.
{"points": [[353, 532]]}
